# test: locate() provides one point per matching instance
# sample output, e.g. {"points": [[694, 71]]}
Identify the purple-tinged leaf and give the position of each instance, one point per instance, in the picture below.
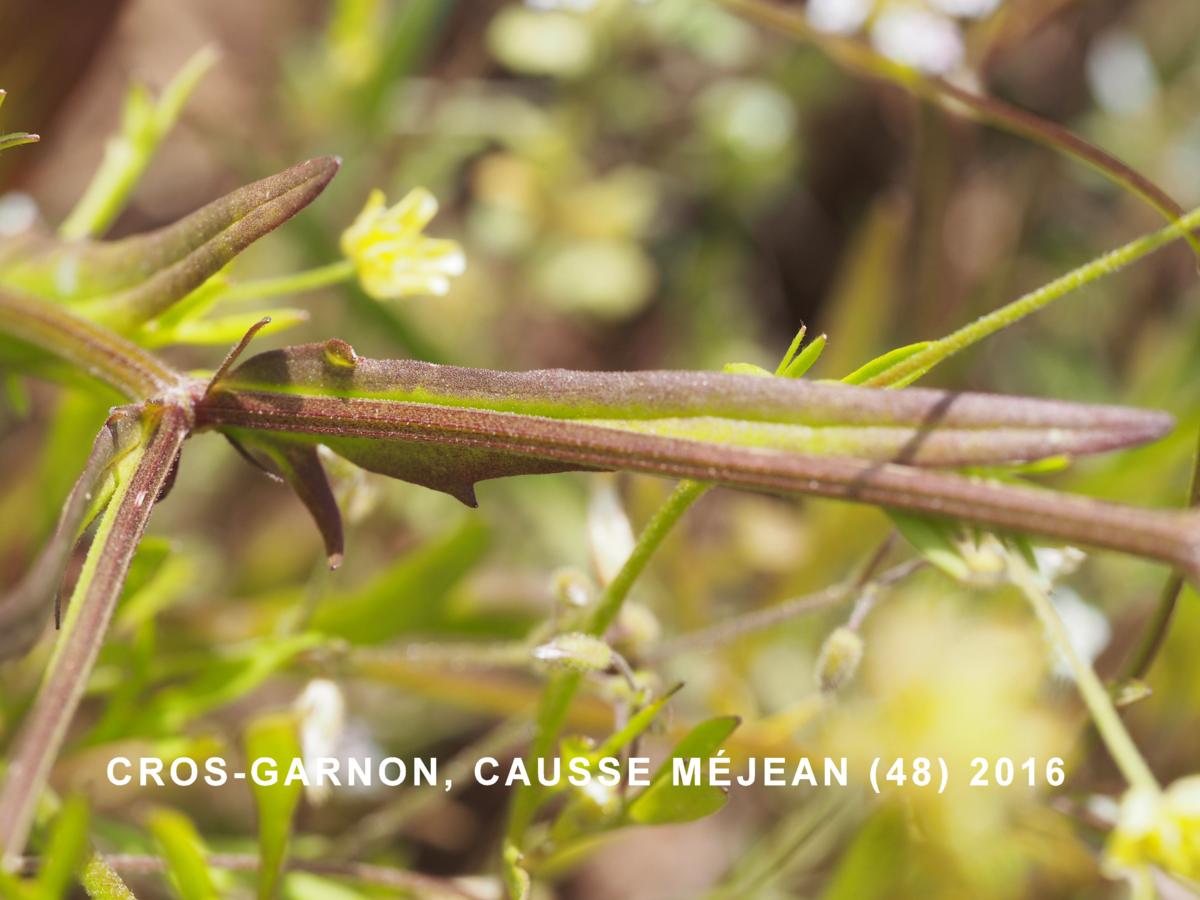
{"points": [[46, 329], [128, 282], [447, 428], [148, 441], [298, 463]]}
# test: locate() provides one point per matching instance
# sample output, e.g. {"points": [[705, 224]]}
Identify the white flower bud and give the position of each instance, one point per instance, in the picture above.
{"points": [[609, 532], [581, 652], [322, 711]]}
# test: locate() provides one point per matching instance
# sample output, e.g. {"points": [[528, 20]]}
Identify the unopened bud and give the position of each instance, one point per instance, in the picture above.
{"points": [[839, 659], [581, 652]]}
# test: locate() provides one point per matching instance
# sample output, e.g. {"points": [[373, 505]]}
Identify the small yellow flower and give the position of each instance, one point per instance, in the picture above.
{"points": [[393, 258], [1158, 828]]}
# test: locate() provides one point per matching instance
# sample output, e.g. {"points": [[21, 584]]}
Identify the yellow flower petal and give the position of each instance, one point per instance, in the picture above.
{"points": [[392, 256]]}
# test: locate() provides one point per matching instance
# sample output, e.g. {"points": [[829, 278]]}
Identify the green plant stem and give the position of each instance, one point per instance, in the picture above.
{"points": [[919, 363], [25, 609], [556, 700], [381, 826], [1097, 699], [725, 632], [300, 282], [685, 494]]}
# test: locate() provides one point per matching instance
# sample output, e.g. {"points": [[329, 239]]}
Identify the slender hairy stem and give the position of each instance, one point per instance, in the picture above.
{"points": [[685, 494], [149, 450], [463, 656], [763, 619], [310, 280], [383, 824], [857, 57], [1108, 722], [920, 363]]}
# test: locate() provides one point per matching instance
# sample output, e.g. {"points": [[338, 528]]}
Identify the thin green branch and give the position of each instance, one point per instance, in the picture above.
{"points": [[855, 56], [1097, 699], [383, 824], [726, 632], [685, 494], [25, 610], [300, 282], [912, 367], [556, 699]]}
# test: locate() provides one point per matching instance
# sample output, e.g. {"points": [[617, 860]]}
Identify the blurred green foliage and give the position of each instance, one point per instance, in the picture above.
{"points": [[638, 185]]}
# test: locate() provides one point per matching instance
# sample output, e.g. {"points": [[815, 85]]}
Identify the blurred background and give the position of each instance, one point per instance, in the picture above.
{"points": [[635, 185]]}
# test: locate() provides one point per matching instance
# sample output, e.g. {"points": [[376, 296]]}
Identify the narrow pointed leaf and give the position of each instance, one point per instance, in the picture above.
{"points": [[300, 466], [149, 445], [128, 282], [308, 389], [66, 851], [17, 138], [806, 358], [274, 737], [185, 855], [447, 428], [146, 121], [880, 364], [34, 333]]}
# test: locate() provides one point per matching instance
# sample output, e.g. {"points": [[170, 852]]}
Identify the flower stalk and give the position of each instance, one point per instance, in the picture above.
{"points": [[1095, 696]]}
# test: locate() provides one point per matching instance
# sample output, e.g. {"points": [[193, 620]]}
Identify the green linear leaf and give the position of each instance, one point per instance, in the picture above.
{"points": [[666, 801], [16, 139], [274, 737], [185, 854], [102, 882], [25, 610], [66, 850]]}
